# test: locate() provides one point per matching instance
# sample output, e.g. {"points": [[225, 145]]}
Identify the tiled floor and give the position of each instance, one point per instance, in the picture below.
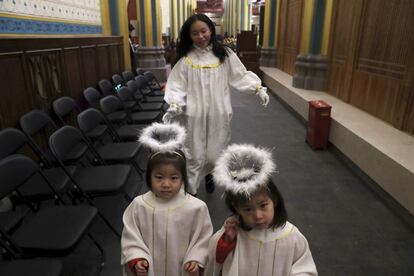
{"points": [[351, 231]]}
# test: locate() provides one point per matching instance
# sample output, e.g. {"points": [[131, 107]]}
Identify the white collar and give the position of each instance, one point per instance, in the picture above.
{"points": [[270, 234], [160, 203], [203, 50]]}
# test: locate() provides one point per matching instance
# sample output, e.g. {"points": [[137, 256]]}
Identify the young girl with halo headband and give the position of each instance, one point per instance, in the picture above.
{"points": [[258, 239], [166, 230]]}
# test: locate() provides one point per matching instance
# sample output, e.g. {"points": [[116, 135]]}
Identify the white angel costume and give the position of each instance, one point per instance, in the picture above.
{"points": [[272, 252], [167, 233], [200, 85]]}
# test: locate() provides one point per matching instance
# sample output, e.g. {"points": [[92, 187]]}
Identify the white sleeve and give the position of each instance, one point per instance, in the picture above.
{"points": [[132, 242], [239, 78], [303, 262], [201, 235], [176, 86]]}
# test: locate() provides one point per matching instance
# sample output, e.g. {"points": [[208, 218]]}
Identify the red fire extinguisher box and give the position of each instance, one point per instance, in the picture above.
{"points": [[319, 121]]}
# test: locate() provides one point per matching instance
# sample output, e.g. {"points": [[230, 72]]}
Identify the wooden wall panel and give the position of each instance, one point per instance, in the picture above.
{"points": [[72, 66], [36, 71], [16, 96], [104, 72], [371, 58], [290, 23]]}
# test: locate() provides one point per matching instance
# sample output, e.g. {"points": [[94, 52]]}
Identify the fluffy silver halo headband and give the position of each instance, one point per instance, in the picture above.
{"points": [[243, 168], [163, 137]]}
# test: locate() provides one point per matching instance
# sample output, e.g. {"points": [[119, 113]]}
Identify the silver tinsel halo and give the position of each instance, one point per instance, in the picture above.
{"points": [[243, 168], [163, 137]]}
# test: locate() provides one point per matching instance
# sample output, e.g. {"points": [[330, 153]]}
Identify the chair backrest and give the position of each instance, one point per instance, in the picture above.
{"points": [[128, 75], [15, 170], [152, 80], [140, 71], [89, 119], [64, 140], [133, 86], [106, 87], [11, 140], [92, 96], [117, 79], [64, 107], [35, 121], [110, 104], [125, 94]]}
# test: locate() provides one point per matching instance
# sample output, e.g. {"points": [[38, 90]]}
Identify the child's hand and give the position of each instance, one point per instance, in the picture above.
{"points": [[230, 229], [192, 268], [141, 268]]}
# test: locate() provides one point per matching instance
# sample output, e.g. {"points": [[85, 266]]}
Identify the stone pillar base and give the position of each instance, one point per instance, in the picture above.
{"points": [[310, 72], [268, 57], [152, 59]]}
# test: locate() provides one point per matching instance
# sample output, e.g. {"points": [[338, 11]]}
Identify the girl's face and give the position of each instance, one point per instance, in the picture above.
{"points": [[166, 181], [200, 34], [258, 212]]}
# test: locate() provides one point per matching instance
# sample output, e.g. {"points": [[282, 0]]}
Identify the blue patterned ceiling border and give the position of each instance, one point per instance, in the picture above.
{"points": [[27, 26]]}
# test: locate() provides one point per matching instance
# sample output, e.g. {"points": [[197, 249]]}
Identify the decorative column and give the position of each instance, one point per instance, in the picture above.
{"points": [[177, 17], [311, 63], [150, 53], [237, 16], [119, 26], [268, 50]]}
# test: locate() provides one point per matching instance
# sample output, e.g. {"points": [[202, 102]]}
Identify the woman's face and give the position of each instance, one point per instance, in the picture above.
{"points": [[200, 34]]}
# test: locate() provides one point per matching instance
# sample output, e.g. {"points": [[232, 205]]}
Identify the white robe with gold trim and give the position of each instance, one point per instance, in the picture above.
{"points": [[167, 233], [201, 85], [279, 252]]}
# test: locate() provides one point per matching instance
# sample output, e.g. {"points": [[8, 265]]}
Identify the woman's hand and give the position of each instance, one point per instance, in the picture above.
{"points": [[230, 229], [141, 268], [192, 268]]}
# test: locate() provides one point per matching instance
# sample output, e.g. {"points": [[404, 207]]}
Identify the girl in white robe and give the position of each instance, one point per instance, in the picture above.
{"points": [[258, 239], [166, 230], [198, 92]]}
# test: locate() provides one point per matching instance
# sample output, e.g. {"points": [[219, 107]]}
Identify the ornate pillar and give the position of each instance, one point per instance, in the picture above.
{"points": [[150, 53], [268, 51], [311, 63], [177, 17], [119, 26], [237, 16]]}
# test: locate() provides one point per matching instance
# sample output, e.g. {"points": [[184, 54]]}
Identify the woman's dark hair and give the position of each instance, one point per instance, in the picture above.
{"points": [[175, 158], [233, 201], [186, 44]]}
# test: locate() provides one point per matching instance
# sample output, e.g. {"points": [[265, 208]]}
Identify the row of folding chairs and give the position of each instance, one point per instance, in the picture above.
{"points": [[72, 170]]}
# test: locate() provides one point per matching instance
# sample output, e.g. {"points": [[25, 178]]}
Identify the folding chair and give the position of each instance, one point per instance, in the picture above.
{"points": [[127, 97], [11, 141], [113, 108], [40, 267], [92, 96], [118, 80], [153, 82], [94, 125], [148, 94], [51, 231], [140, 71], [106, 88], [64, 107], [128, 75]]}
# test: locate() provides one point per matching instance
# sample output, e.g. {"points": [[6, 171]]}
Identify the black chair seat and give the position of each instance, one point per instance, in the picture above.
{"points": [[130, 132], [37, 188], [152, 106], [37, 267], [156, 99], [157, 93], [145, 117], [103, 179], [130, 104], [10, 219], [97, 132], [117, 116], [70, 223], [118, 152]]}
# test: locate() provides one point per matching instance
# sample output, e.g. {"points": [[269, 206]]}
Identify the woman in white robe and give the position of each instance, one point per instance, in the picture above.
{"points": [[198, 92]]}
